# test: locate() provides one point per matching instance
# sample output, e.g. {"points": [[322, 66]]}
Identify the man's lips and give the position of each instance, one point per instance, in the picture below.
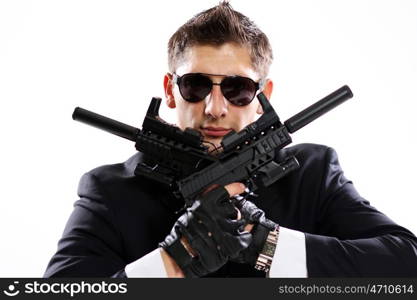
{"points": [[215, 131]]}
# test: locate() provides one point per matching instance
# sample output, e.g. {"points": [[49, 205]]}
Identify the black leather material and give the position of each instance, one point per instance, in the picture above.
{"points": [[254, 215], [212, 231], [262, 226]]}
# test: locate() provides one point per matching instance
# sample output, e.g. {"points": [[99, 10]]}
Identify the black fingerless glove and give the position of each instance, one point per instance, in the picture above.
{"points": [[262, 227], [212, 231]]}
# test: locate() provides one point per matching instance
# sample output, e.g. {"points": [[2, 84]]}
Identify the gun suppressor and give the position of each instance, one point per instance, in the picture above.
{"points": [[115, 127], [318, 109]]}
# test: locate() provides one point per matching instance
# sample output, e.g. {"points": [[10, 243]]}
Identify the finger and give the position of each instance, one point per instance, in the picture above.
{"points": [[239, 215], [210, 188], [235, 188], [248, 227]]}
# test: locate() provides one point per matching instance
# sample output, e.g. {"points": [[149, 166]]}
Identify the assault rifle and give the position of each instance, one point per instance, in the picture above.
{"points": [[180, 159]]}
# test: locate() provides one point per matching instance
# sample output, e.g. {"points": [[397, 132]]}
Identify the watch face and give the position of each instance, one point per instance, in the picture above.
{"points": [[269, 249]]}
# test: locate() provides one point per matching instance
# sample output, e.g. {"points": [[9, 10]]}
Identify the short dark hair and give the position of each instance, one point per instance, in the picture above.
{"points": [[219, 25]]}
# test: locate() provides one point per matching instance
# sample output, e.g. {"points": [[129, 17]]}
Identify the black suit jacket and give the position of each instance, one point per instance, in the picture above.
{"points": [[120, 218]]}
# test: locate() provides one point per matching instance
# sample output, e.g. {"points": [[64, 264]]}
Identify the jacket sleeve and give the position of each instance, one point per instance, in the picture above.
{"points": [[90, 246], [354, 238]]}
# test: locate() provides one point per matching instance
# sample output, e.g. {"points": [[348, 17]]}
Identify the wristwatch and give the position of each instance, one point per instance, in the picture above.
{"points": [[264, 261]]}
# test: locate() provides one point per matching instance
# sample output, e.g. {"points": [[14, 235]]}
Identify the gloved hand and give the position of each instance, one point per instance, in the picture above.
{"points": [[210, 227], [262, 226]]}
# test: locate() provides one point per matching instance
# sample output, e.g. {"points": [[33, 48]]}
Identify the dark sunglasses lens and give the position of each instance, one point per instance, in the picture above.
{"points": [[238, 90], [195, 87]]}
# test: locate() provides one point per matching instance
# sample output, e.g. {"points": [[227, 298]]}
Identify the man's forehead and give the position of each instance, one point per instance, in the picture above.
{"points": [[225, 59]]}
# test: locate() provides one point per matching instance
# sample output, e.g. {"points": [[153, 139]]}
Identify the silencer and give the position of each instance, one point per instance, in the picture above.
{"points": [[318, 109], [105, 123]]}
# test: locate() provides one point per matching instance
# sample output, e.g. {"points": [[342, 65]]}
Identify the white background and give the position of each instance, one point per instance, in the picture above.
{"points": [[110, 57]]}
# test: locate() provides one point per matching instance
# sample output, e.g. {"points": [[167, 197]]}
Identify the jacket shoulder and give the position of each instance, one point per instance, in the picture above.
{"points": [[306, 152], [107, 176]]}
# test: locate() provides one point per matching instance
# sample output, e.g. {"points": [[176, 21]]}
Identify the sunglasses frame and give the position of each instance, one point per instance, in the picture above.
{"points": [[176, 79]]}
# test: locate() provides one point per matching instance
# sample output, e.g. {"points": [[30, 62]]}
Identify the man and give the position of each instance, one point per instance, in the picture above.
{"points": [[313, 221]]}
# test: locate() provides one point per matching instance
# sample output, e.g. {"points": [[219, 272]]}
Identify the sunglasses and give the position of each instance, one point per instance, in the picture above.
{"points": [[195, 87]]}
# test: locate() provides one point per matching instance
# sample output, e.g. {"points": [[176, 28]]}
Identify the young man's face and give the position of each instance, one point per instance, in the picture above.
{"points": [[214, 116]]}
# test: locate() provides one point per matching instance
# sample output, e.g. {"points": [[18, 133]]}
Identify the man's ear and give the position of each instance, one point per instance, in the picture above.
{"points": [[169, 90], [268, 86]]}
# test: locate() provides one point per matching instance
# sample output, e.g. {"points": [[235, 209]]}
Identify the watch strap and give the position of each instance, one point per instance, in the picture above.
{"points": [[264, 261]]}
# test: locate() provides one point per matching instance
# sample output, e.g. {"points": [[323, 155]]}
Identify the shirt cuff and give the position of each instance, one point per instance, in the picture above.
{"points": [[290, 255], [149, 266]]}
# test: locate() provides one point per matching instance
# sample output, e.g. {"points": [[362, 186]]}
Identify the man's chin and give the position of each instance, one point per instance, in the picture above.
{"points": [[213, 144]]}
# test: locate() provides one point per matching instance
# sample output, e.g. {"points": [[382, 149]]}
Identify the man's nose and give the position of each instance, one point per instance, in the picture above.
{"points": [[216, 104]]}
